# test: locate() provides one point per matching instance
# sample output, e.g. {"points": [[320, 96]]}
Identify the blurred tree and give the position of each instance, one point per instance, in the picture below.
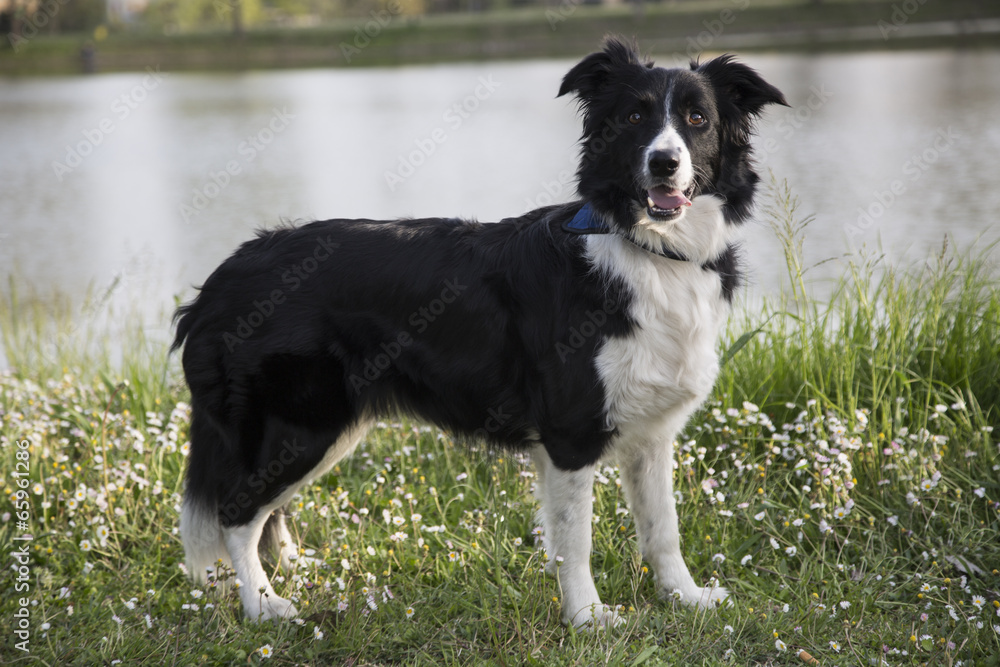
{"points": [[182, 15], [80, 15], [27, 18]]}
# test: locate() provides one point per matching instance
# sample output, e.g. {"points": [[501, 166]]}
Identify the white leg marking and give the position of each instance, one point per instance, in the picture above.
{"points": [[566, 512], [647, 479], [260, 602]]}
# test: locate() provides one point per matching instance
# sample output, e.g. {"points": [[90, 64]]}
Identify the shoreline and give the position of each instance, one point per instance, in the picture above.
{"points": [[566, 30]]}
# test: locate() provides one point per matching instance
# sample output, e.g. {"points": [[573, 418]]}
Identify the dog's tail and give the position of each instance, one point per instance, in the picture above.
{"points": [[201, 531], [184, 318], [200, 525]]}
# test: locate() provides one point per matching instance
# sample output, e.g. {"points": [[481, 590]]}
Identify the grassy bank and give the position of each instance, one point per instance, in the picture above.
{"points": [[565, 29], [842, 483]]}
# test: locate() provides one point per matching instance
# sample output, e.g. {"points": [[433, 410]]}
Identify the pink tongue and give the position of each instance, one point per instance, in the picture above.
{"points": [[668, 199]]}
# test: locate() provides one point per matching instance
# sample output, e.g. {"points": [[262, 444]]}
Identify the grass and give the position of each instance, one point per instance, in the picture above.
{"points": [[842, 482]]}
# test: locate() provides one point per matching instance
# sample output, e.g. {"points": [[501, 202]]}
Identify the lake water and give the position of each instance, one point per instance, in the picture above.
{"points": [[155, 179]]}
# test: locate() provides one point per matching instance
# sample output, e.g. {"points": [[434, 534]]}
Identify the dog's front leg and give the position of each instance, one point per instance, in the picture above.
{"points": [[566, 513], [647, 479]]}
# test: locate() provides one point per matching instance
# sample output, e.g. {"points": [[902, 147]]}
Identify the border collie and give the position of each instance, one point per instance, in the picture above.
{"points": [[584, 332]]}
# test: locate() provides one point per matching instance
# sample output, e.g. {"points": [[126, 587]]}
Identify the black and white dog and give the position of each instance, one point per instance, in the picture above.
{"points": [[584, 332]]}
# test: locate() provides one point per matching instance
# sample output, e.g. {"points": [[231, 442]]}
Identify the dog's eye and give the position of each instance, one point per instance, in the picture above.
{"points": [[635, 118], [695, 118]]}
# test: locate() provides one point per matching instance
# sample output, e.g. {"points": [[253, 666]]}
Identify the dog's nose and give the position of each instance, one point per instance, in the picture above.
{"points": [[664, 163]]}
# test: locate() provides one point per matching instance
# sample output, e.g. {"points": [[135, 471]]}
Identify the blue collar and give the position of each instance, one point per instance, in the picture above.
{"points": [[587, 221]]}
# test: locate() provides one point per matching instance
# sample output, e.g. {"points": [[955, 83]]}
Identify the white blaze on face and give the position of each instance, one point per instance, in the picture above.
{"points": [[670, 141]]}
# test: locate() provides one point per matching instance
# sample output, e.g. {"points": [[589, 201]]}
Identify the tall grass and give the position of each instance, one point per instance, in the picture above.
{"points": [[842, 483], [887, 338], [103, 336]]}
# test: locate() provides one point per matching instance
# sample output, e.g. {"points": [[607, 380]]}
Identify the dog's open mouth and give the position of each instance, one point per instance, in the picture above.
{"points": [[664, 203]]}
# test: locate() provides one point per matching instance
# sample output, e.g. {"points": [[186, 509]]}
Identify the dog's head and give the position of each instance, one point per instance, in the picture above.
{"points": [[655, 138]]}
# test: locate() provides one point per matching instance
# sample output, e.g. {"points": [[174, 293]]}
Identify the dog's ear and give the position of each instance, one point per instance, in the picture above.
{"points": [[740, 84], [594, 71], [741, 94]]}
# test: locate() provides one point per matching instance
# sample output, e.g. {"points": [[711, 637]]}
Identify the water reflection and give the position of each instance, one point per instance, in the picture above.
{"points": [[199, 161]]}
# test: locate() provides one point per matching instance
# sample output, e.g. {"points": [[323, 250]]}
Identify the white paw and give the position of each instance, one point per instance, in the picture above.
{"points": [[711, 597], [708, 597], [265, 607], [596, 616], [304, 562]]}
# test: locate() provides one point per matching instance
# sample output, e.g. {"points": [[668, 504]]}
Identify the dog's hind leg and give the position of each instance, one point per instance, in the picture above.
{"points": [[542, 465], [647, 479], [295, 456], [278, 540], [566, 513], [282, 545]]}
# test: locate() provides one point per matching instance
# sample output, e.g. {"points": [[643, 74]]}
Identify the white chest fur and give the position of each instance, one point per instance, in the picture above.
{"points": [[659, 374]]}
